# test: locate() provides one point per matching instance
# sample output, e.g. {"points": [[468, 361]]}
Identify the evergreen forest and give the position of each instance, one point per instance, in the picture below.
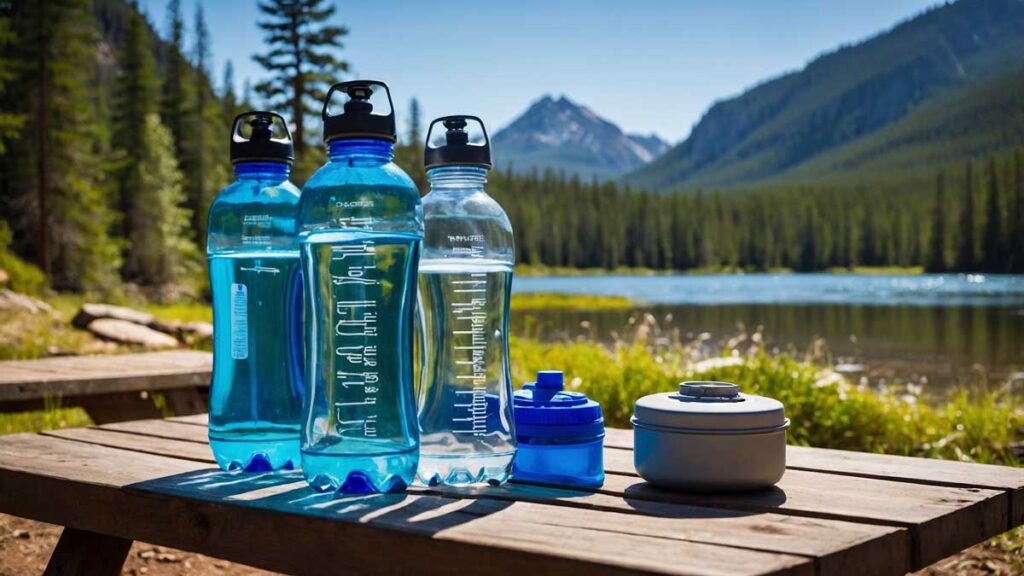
{"points": [[114, 141]]}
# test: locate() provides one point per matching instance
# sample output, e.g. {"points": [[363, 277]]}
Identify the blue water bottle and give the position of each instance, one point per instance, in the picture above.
{"points": [[361, 226], [465, 395], [253, 253]]}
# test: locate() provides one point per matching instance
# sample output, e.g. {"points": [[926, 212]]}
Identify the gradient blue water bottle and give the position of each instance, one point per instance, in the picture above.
{"points": [[361, 226], [256, 392], [465, 396]]}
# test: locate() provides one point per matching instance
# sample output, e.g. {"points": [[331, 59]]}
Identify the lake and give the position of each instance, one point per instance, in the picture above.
{"points": [[935, 329]]}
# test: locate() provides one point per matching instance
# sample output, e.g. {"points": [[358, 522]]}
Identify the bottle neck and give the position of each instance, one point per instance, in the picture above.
{"points": [[264, 170], [457, 178], [363, 149]]}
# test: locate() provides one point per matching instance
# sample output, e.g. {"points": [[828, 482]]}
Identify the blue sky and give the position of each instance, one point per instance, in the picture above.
{"points": [[649, 66]]}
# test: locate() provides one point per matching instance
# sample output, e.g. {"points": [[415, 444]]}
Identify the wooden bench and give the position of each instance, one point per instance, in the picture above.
{"points": [[833, 513], [111, 388]]}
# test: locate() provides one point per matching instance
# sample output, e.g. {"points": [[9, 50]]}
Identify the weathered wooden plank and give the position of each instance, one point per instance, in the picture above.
{"points": [[930, 471], [942, 520], [170, 502], [137, 443], [22, 380], [79, 552], [917, 470], [836, 546], [162, 429], [939, 518], [195, 419]]}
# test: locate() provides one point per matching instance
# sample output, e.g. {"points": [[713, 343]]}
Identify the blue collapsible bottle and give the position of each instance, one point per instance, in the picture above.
{"points": [[253, 253], [560, 433], [361, 226], [465, 394]]}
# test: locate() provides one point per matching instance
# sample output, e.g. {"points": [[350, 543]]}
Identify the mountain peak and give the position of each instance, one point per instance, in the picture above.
{"points": [[564, 135], [900, 96]]}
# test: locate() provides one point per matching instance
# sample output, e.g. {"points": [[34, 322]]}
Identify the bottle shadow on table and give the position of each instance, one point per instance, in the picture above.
{"points": [[288, 492]]}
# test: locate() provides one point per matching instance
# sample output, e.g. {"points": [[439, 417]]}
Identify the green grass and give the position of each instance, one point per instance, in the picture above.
{"points": [[182, 312], [544, 270], [24, 336], [53, 416], [544, 301], [879, 270]]}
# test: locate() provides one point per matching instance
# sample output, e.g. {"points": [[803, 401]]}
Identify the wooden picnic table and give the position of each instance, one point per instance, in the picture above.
{"points": [[834, 512], [110, 388]]}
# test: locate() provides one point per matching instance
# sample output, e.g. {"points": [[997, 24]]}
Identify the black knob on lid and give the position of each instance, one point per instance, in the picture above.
{"points": [[261, 145], [457, 149], [358, 119]]}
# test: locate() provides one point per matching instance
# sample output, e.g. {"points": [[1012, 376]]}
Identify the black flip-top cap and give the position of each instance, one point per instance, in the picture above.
{"points": [[358, 119], [259, 142], [457, 149]]}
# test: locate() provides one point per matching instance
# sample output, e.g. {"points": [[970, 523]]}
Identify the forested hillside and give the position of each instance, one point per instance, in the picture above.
{"points": [[909, 95], [117, 143], [968, 218], [113, 142]]}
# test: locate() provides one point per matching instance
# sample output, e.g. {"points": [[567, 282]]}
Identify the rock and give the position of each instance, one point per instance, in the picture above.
{"points": [[21, 534], [11, 300], [90, 312], [172, 327], [127, 332], [198, 329], [4, 277]]}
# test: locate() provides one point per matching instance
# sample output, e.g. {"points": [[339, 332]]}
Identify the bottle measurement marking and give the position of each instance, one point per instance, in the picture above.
{"points": [[470, 336], [355, 327]]}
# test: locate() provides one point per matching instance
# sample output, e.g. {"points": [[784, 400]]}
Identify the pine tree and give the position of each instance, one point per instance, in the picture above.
{"points": [[166, 242], [993, 243], [59, 165], [409, 154], [302, 62], [150, 182], [136, 100], [177, 90], [208, 165], [229, 99], [1017, 214], [937, 251], [248, 102], [10, 123], [966, 259]]}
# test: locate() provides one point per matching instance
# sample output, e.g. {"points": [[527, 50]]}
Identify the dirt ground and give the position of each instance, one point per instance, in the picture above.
{"points": [[25, 547]]}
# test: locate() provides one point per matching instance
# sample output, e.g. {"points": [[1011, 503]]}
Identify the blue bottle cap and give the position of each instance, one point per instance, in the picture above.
{"points": [[543, 409]]}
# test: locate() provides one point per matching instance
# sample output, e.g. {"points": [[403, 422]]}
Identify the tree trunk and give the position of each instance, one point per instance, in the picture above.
{"points": [[298, 91], [42, 140]]}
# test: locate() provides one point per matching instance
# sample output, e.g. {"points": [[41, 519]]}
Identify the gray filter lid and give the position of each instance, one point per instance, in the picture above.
{"points": [[709, 407]]}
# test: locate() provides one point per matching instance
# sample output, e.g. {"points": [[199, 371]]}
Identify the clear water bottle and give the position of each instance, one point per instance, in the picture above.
{"points": [[361, 227], [256, 392], [465, 389]]}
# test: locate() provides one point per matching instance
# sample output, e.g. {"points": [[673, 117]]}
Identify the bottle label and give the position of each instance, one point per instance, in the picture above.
{"points": [[357, 291], [239, 322], [470, 340], [256, 229]]}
